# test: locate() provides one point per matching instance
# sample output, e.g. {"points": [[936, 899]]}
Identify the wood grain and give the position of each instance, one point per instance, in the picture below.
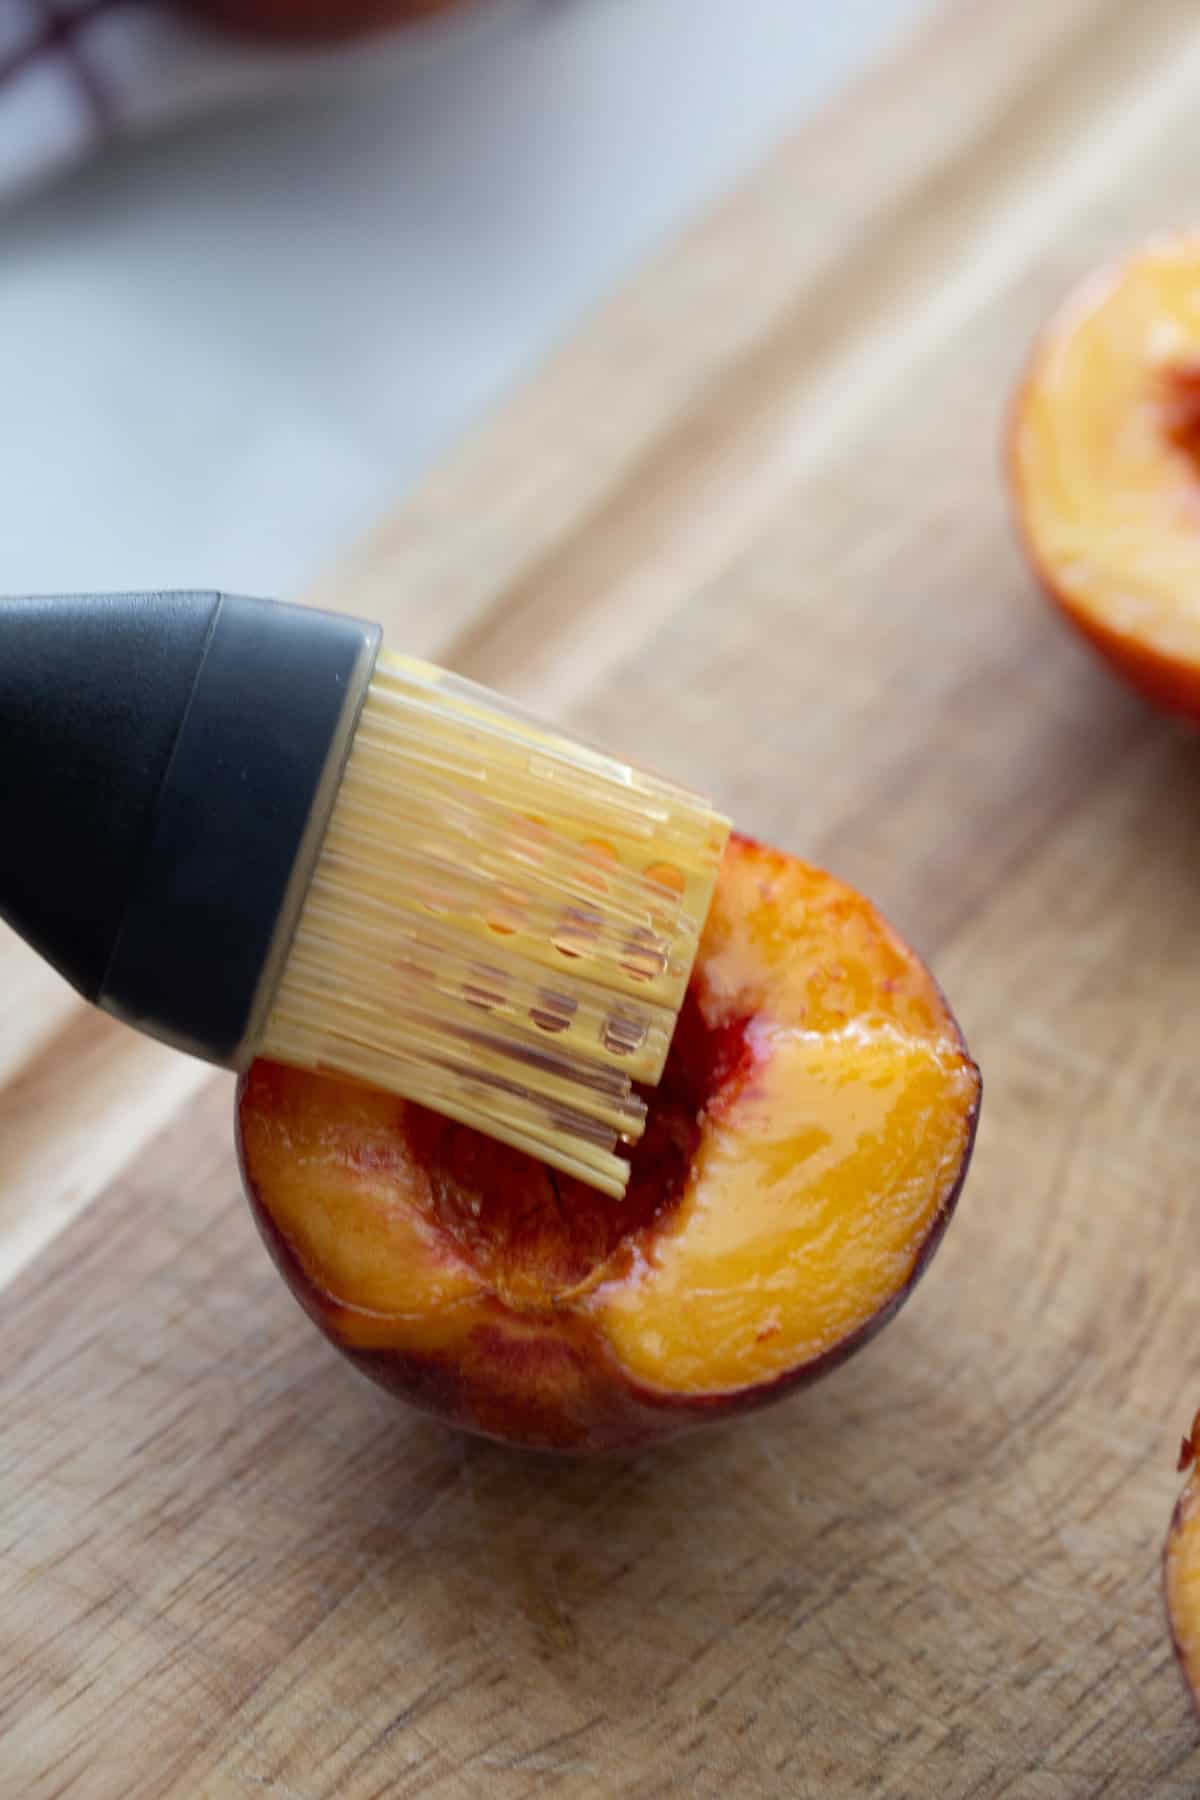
{"points": [[749, 526]]}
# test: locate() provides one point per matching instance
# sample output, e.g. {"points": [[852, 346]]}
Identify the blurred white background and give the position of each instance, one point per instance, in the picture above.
{"points": [[223, 353]]}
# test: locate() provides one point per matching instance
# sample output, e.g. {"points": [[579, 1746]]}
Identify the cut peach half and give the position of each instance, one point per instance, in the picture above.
{"points": [[803, 1154], [1105, 467], [1182, 1567]]}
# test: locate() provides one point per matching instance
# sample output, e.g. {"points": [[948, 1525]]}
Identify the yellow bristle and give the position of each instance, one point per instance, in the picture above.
{"points": [[501, 924]]}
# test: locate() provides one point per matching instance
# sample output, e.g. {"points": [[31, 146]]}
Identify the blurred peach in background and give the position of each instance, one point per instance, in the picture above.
{"points": [[318, 18]]}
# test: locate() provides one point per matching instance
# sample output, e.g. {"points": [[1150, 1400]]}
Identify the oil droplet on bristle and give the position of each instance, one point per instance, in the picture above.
{"points": [[667, 886], [667, 877], [622, 1035], [578, 930], [484, 988], [643, 956], [530, 838], [596, 859], [553, 1012], [507, 915]]}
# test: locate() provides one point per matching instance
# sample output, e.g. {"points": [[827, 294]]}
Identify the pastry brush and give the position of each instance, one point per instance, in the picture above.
{"points": [[244, 828]]}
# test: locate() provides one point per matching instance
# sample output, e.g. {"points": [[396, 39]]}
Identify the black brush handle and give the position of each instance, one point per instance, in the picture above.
{"points": [[168, 763]]}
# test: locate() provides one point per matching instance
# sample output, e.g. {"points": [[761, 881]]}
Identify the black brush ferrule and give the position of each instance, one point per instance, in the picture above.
{"points": [[168, 763]]}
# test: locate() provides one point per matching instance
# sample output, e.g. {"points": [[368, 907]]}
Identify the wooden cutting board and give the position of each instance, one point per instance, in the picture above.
{"points": [[749, 526]]}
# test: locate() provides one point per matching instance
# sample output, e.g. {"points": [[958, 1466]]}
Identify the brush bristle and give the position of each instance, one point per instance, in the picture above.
{"points": [[501, 924]]}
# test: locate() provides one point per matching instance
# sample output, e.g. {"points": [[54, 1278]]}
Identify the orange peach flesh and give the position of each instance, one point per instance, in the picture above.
{"points": [[1105, 465], [1183, 1568], [804, 1149]]}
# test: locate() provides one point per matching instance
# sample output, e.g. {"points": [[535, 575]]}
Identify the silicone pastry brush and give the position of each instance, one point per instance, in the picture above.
{"points": [[243, 828]]}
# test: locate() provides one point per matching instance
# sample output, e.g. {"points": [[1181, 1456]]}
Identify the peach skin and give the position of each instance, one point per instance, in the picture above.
{"points": [[1182, 1567]]}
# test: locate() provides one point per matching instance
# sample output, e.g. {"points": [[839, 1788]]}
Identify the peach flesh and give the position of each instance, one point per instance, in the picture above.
{"points": [[803, 1155], [1182, 1567], [1104, 462]]}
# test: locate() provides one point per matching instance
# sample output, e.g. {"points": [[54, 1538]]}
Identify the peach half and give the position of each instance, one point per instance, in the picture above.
{"points": [[1104, 463], [1182, 1566], [803, 1155]]}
